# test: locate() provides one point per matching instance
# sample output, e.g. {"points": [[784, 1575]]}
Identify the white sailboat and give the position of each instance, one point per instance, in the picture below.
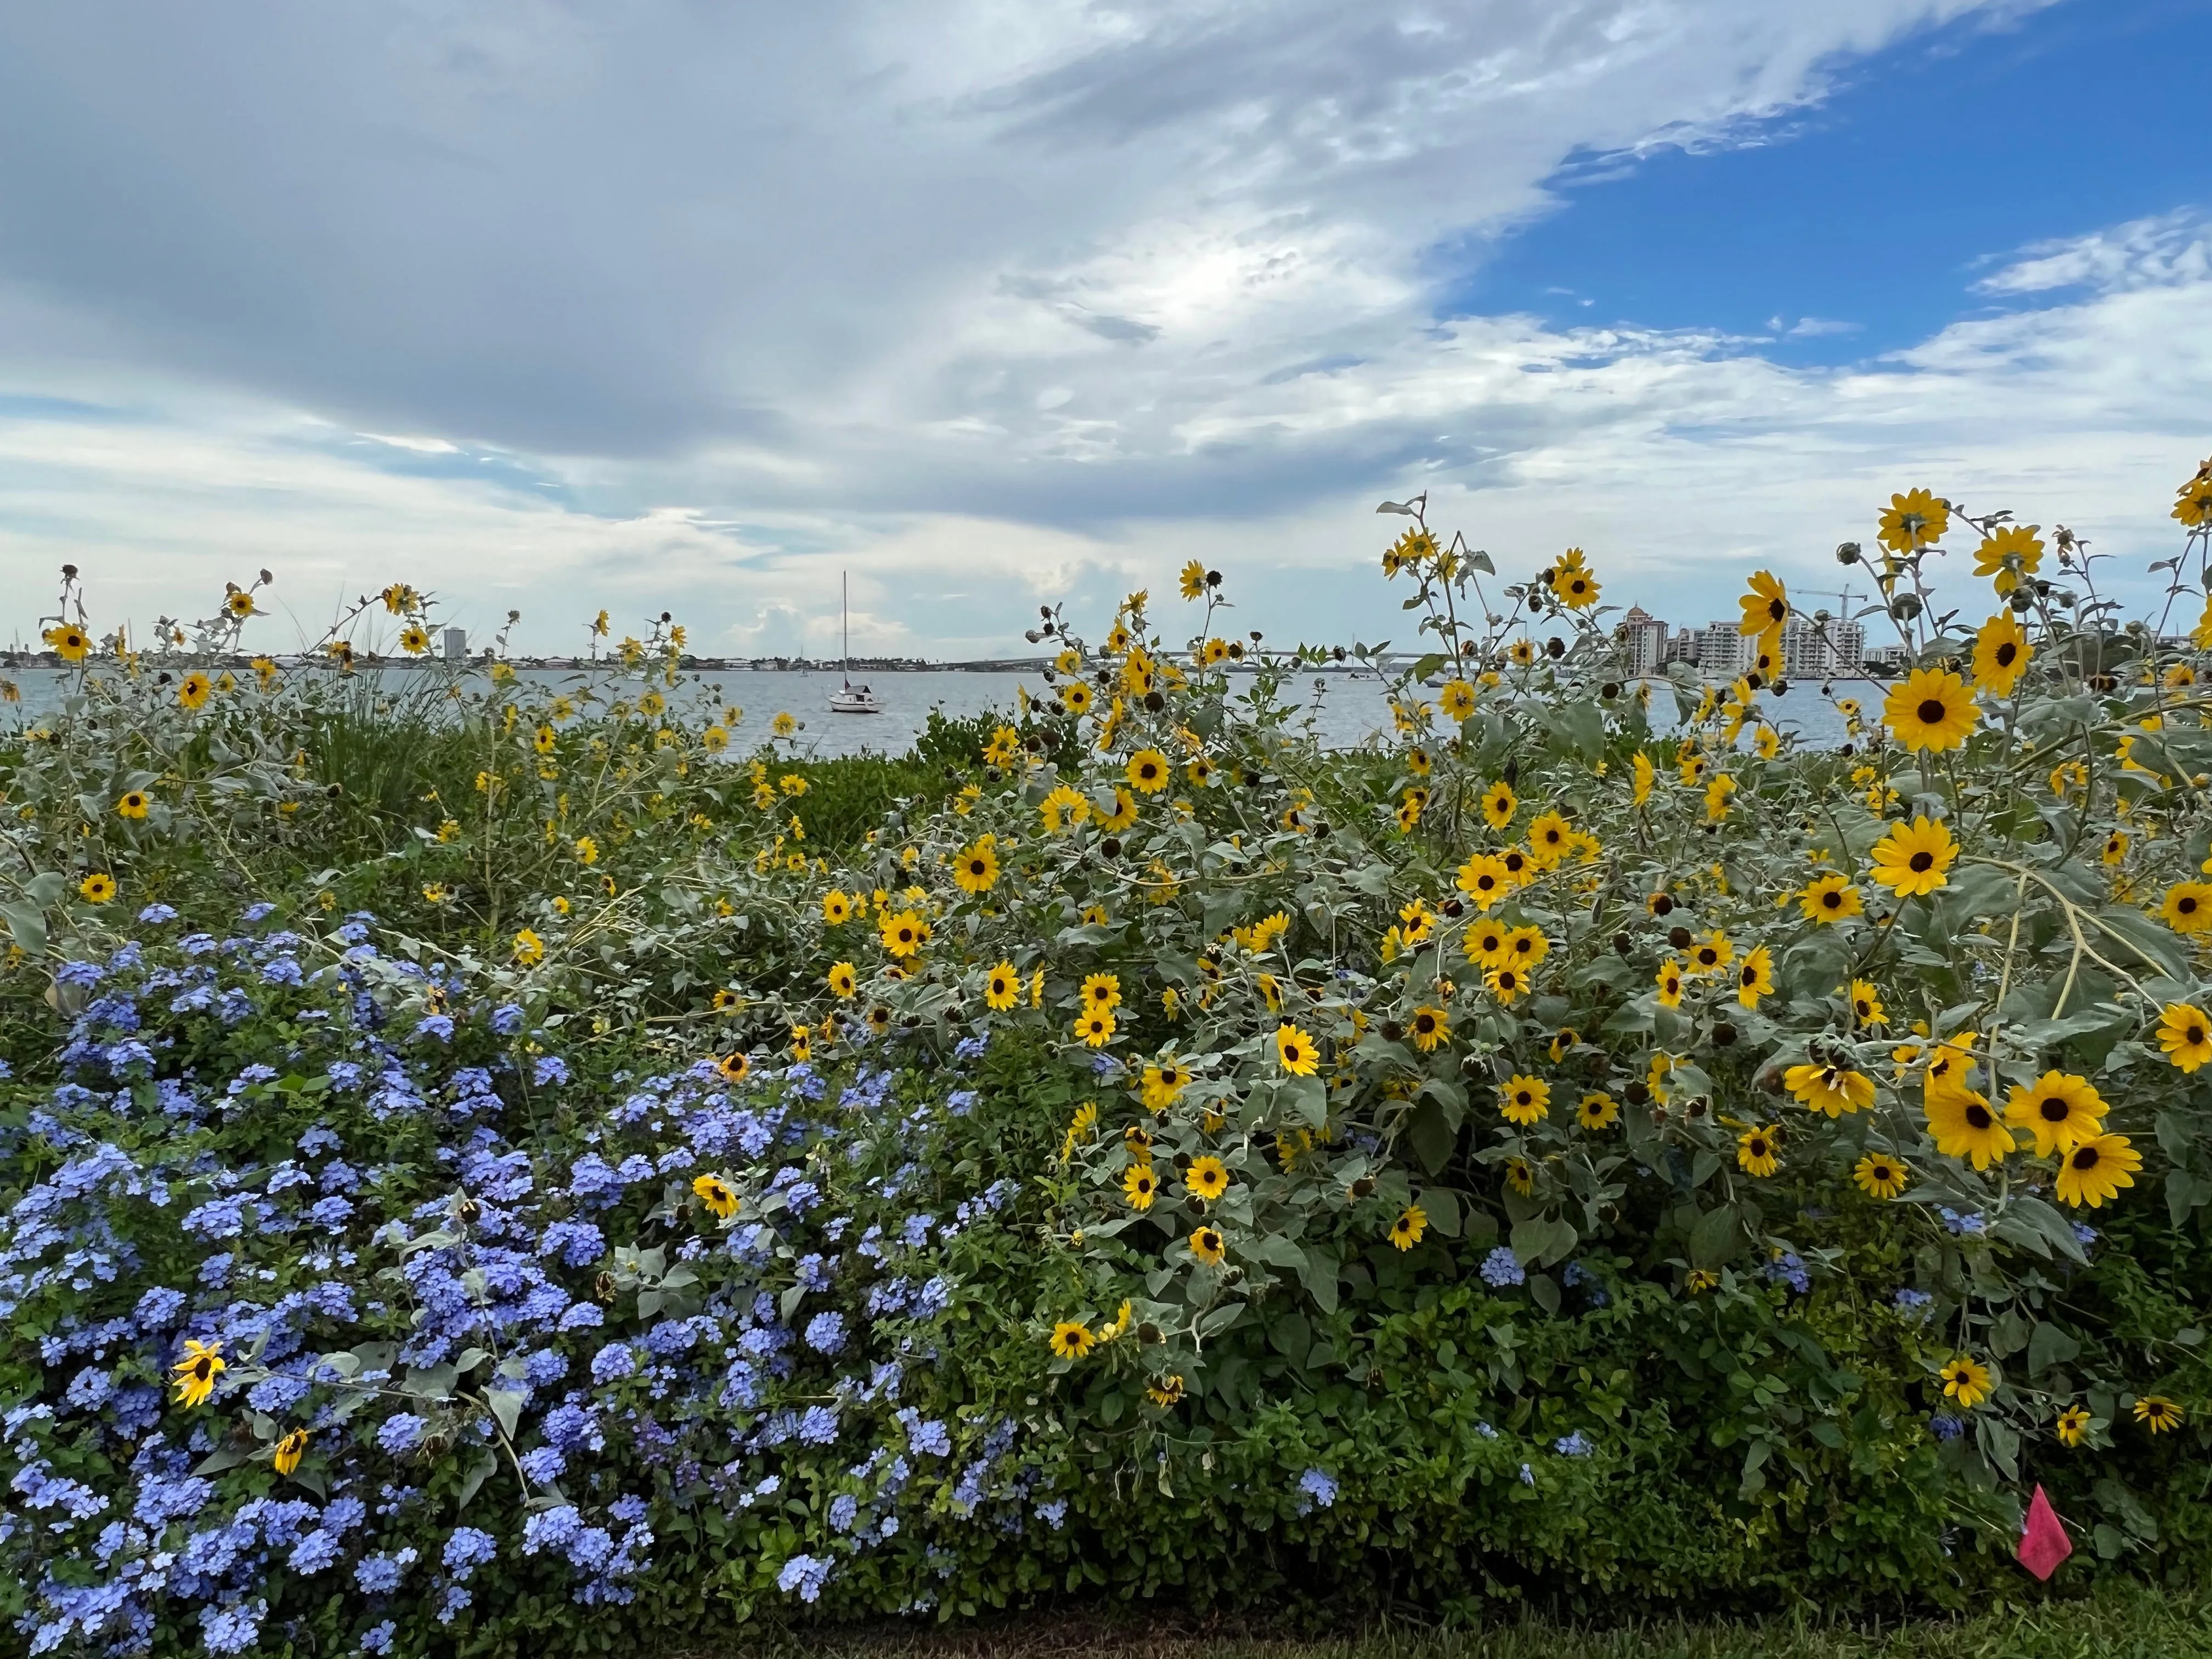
{"points": [[852, 699]]}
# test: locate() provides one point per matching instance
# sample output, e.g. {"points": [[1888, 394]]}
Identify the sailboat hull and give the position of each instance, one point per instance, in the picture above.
{"points": [[854, 702]]}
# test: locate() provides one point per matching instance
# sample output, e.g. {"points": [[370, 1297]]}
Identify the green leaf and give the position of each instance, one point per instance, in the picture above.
{"points": [[1320, 1275], [1540, 1241], [1431, 1137], [2050, 1346], [472, 1482], [1714, 1238], [507, 1406], [1441, 1206], [27, 927], [2146, 941]]}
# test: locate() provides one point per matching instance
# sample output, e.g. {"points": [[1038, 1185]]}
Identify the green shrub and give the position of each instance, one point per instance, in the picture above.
{"points": [[1242, 1222]]}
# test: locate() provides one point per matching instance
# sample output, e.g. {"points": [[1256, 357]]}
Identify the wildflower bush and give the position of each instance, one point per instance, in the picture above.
{"points": [[529, 1181]]}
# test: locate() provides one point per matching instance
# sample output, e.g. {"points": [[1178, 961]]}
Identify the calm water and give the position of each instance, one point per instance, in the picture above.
{"points": [[1347, 711]]}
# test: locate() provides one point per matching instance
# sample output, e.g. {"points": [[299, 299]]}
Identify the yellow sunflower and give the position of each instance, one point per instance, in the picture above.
{"points": [[2157, 1414], [2001, 654], [1296, 1052], [284, 1457], [193, 691], [1148, 771], [194, 1374], [1406, 1231], [1574, 587], [1866, 1004], [1966, 1380], [843, 980], [1498, 804], [715, 1192], [2013, 551], [1765, 607], [2188, 907], [1524, 1100], [1206, 1244], [2058, 1109], [1431, 1029], [1485, 878], [1207, 1179], [1831, 898], [1596, 1111], [1070, 1341], [976, 870], [903, 932], [1880, 1175], [1139, 1187], [1063, 809], [1964, 1126], [2185, 1034], [1754, 976], [1757, 1153], [97, 888], [1834, 1089], [2073, 1425], [2095, 1168], [1931, 709], [1915, 518], [1911, 860]]}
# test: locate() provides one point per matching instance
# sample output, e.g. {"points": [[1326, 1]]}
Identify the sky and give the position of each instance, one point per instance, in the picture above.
{"points": [[994, 306]]}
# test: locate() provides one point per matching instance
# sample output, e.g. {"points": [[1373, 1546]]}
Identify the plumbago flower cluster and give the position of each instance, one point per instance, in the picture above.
{"points": [[312, 1345], [1583, 1138]]}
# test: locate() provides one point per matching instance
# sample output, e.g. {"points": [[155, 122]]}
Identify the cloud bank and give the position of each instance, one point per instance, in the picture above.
{"points": [[663, 304]]}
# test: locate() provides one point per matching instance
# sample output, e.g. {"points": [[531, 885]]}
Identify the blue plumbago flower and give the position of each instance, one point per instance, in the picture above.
{"points": [[804, 1577], [1945, 1427], [1909, 1300], [1318, 1486], [548, 1069], [1788, 1268], [1501, 1268], [1577, 1444], [1528, 1475], [468, 1549]]}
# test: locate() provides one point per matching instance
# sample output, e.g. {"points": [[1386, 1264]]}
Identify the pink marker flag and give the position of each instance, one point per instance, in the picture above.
{"points": [[2044, 1544]]}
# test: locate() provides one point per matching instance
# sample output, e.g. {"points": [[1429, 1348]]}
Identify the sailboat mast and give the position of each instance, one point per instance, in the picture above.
{"points": [[845, 602]]}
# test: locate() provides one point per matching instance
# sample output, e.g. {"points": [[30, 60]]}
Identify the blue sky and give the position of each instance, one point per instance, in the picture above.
{"points": [[1856, 227], [1018, 301]]}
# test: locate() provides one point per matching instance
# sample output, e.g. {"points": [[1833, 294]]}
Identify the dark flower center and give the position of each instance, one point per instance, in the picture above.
{"points": [[1978, 1116], [1921, 861], [2187, 906], [2085, 1157], [2195, 1034], [2056, 1108], [1932, 711], [1833, 898], [2006, 653]]}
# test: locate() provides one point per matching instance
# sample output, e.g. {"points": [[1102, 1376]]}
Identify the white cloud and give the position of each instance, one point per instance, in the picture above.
{"points": [[2154, 252], [993, 303]]}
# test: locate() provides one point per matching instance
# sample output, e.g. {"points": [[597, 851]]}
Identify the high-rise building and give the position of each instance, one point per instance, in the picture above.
{"points": [[1645, 636], [456, 644], [1817, 650], [1723, 651]]}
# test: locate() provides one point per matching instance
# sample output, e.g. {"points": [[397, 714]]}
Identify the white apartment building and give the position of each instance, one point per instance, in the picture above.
{"points": [[1723, 652], [1645, 638], [1815, 650]]}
